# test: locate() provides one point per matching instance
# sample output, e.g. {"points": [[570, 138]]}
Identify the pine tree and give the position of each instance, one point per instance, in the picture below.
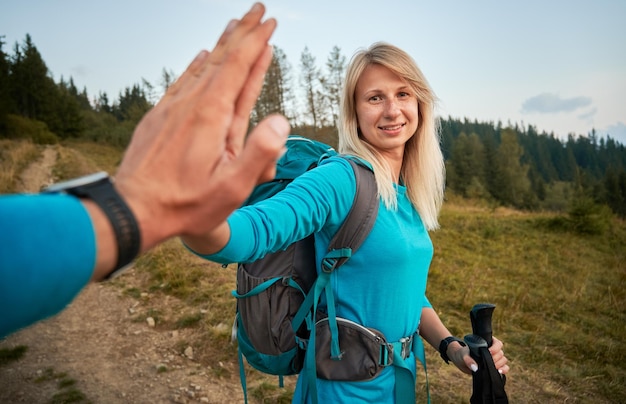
{"points": [[33, 89], [5, 94], [467, 163], [276, 90], [167, 79], [67, 111], [514, 184], [333, 82], [491, 172], [310, 79], [133, 104]]}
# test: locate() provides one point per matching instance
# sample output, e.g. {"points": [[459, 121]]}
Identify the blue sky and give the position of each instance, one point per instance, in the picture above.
{"points": [[555, 64]]}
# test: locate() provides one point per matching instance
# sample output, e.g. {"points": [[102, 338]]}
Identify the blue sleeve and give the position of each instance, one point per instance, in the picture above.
{"points": [[47, 255], [316, 201]]}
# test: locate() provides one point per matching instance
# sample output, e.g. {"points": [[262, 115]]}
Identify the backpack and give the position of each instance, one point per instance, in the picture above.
{"points": [[274, 318]]}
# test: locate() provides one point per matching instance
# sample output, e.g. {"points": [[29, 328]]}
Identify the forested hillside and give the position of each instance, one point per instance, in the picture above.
{"points": [[505, 165]]}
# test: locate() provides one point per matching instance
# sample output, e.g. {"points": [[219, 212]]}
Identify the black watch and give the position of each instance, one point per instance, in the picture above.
{"points": [[443, 347], [99, 188]]}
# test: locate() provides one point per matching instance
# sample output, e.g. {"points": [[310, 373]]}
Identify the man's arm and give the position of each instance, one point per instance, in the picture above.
{"points": [[188, 166]]}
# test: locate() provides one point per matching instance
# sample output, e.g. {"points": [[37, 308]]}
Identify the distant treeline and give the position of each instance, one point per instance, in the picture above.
{"points": [[511, 166]]}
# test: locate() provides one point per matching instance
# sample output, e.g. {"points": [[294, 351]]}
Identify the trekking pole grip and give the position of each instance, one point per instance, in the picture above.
{"points": [[480, 315]]}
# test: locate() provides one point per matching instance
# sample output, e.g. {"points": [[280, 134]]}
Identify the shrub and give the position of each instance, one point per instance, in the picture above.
{"points": [[587, 217], [19, 127]]}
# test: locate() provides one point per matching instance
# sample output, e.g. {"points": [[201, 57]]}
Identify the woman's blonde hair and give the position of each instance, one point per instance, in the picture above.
{"points": [[423, 169]]}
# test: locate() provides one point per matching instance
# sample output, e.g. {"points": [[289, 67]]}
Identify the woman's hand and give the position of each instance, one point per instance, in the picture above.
{"points": [[498, 356], [460, 356]]}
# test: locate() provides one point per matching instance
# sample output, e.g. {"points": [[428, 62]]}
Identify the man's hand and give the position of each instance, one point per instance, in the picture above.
{"points": [[189, 164]]}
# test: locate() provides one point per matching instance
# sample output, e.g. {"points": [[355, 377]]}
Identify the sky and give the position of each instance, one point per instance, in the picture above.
{"points": [[558, 65]]}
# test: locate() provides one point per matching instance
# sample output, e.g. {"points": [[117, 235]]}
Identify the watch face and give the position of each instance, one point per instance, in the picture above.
{"points": [[76, 182]]}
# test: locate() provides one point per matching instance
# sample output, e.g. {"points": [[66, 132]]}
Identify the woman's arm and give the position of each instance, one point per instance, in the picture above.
{"points": [[317, 200], [210, 242], [433, 331]]}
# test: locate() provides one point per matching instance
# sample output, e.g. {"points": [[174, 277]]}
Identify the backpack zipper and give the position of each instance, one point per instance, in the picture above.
{"points": [[358, 326]]}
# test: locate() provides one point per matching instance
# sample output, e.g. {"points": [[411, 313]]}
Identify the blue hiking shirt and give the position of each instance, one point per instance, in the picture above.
{"points": [[47, 255], [381, 286]]}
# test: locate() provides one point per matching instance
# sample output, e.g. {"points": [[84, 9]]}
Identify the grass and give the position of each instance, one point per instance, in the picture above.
{"points": [[102, 157], [8, 355], [560, 297], [15, 156], [68, 396], [67, 392], [204, 290]]}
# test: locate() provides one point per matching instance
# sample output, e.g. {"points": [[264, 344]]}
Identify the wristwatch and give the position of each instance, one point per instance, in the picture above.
{"points": [[443, 347], [99, 188]]}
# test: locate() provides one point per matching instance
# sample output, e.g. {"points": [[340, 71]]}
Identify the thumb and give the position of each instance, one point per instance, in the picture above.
{"points": [[470, 363], [463, 360], [266, 142]]}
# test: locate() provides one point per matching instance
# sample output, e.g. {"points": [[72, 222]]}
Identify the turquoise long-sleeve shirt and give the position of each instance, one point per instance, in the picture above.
{"points": [[381, 286], [47, 255]]}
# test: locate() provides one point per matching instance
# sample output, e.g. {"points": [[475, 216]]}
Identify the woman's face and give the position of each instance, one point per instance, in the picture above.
{"points": [[386, 109]]}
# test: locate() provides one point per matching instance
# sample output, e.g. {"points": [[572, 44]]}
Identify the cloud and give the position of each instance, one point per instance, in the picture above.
{"points": [[547, 103], [79, 71], [588, 116]]}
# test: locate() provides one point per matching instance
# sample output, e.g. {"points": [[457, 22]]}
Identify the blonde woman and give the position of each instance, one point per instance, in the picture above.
{"points": [[388, 124]]}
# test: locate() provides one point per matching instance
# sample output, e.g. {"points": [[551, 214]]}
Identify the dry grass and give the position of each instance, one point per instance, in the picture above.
{"points": [[71, 163], [559, 296], [102, 157], [15, 156]]}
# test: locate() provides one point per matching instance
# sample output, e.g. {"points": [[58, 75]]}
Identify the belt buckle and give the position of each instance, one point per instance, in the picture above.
{"points": [[405, 351], [387, 354]]}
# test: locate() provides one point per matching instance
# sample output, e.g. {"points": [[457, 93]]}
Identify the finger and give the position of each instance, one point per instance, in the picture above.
{"points": [[263, 147], [237, 30], [496, 346], [248, 97], [228, 79], [470, 364], [192, 70], [202, 64], [500, 360], [199, 63], [230, 27], [231, 75]]}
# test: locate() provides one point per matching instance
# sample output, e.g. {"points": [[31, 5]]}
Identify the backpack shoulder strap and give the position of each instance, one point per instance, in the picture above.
{"points": [[362, 215], [346, 241]]}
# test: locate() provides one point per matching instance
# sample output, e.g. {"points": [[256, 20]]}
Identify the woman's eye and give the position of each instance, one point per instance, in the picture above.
{"points": [[375, 98]]}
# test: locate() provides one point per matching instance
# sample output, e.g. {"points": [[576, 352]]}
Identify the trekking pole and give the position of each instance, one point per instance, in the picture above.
{"points": [[487, 382], [480, 317]]}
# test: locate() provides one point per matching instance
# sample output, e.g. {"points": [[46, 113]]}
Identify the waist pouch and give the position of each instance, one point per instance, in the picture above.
{"points": [[364, 351]]}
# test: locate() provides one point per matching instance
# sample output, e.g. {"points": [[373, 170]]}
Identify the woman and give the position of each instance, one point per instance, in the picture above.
{"points": [[388, 123]]}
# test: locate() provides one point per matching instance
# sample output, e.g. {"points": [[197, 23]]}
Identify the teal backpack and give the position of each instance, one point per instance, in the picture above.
{"points": [[277, 295]]}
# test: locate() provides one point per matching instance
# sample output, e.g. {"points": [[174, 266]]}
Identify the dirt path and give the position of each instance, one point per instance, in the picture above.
{"points": [[39, 173], [94, 349]]}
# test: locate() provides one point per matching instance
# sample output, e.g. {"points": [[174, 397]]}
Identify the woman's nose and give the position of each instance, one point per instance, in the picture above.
{"points": [[391, 108]]}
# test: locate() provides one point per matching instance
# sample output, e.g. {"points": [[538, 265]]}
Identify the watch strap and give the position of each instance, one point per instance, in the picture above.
{"points": [[443, 346], [99, 188], [123, 221]]}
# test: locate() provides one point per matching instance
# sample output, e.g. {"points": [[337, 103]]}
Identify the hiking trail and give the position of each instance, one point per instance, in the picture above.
{"points": [[94, 347]]}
